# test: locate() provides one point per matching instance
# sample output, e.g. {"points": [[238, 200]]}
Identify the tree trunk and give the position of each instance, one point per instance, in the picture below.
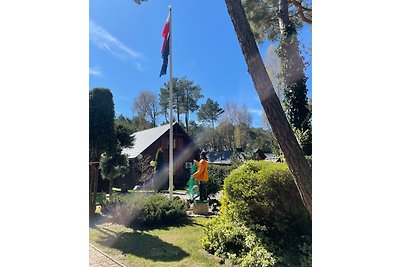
{"points": [[154, 120], [294, 79], [177, 109], [94, 178], [154, 114], [187, 121], [166, 116], [110, 187], [187, 110], [94, 160], [293, 67], [283, 15], [213, 135], [294, 155], [91, 184]]}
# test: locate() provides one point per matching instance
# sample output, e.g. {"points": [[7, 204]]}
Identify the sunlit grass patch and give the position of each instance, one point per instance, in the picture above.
{"points": [[169, 246]]}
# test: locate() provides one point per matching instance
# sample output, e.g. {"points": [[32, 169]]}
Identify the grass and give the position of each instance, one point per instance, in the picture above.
{"points": [[170, 246]]}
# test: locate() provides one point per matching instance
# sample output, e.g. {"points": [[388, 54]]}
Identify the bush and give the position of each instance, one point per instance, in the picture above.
{"points": [[148, 209], [258, 257], [230, 239], [261, 213], [111, 203], [306, 259], [159, 209], [216, 177], [309, 160], [265, 194]]}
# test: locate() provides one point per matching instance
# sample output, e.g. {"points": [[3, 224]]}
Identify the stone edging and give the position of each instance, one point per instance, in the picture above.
{"points": [[107, 255]]}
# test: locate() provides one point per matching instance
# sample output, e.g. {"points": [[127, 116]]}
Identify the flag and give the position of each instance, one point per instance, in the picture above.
{"points": [[165, 48]]}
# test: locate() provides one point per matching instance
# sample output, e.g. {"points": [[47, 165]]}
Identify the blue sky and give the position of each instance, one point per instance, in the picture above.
{"points": [[44, 59], [125, 51]]}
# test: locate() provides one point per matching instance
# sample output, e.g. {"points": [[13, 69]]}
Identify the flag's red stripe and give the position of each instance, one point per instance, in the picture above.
{"points": [[165, 30], [165, 47], [165, 33]]}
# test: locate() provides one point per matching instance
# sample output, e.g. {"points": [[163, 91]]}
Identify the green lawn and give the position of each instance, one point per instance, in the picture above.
{"points": [[170, 246]]}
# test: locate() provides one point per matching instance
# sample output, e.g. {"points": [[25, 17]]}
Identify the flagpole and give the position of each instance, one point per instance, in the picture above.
{"points": [[171, 130]]}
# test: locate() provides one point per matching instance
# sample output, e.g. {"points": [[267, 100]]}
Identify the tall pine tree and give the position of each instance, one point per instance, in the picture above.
{"points": [[210, 112], [279, 20]]}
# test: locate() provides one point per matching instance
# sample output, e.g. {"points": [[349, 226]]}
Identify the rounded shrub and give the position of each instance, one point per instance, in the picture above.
{"points": [[216, 177], [233, 240], [148, 209], [158, 209], [306, 257], [258, 257], [264, 193]]}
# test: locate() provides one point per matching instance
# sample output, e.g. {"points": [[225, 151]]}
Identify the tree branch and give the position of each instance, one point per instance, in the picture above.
{"points": [[301, 10], [297, 4]]}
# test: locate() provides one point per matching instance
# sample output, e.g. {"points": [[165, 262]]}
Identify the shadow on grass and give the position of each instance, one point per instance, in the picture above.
{"points": [[145, 246], [96, 220], [166, 225]]}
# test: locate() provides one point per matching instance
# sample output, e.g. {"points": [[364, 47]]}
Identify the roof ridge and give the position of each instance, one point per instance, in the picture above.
{"points": [[146, 138], [158, 127]]}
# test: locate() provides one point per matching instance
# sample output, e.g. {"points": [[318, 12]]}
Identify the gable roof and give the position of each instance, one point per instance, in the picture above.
{"points": [[223, 157], [271, 157], [220, 157], [144, 139]]}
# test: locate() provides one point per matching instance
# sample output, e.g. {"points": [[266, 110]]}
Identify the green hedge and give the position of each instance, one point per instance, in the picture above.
{"points": [[148, 209], [264, 193], [309, 160], [232, 240], [260, 200], [306, 257], [216, 177]]}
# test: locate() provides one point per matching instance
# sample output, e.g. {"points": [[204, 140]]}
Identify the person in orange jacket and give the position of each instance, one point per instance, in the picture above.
{"points": [[201, 175]]}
